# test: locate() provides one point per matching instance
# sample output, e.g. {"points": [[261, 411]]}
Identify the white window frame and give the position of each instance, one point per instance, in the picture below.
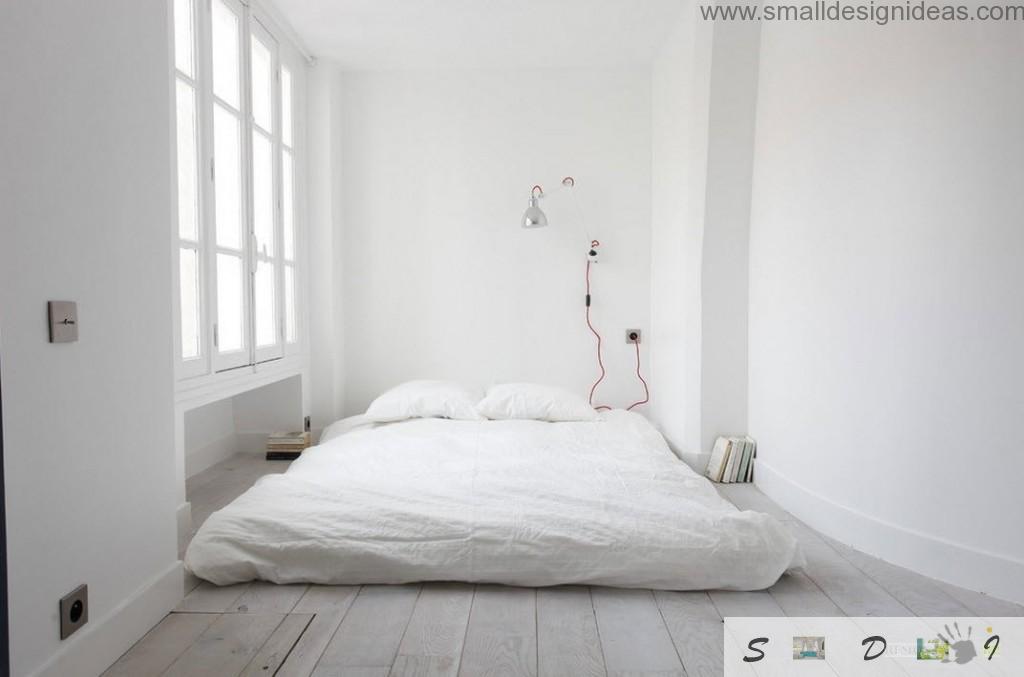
{"points": [[293, 62], [200, 364], [276, 350], [253, 23], [223, 361]]}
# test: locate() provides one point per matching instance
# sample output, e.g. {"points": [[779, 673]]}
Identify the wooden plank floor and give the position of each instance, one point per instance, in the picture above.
{"points": [[465, 630]]}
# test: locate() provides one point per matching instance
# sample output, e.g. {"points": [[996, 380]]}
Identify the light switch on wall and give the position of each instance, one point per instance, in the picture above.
{"points": [[63, 321]]}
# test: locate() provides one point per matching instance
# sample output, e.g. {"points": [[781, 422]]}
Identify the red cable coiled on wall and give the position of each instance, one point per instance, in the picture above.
{"points": [[594, 244]]}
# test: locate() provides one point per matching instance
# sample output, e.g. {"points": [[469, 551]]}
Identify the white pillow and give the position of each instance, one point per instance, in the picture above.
{"points": [[535, 401], [424, 399]]}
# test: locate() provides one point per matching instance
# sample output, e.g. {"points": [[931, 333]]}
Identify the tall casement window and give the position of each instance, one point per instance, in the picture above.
{"points": [[238, 232]]}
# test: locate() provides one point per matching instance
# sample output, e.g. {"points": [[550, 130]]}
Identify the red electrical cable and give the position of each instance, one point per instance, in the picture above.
{"points": [[647, 392], [600, 362], [594, 244]]}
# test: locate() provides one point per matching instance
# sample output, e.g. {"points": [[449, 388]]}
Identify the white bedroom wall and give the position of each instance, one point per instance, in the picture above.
{"points": [[680, 86], [86, 192], [276, 407], [439, 279], [705, 96], [326, 319], [210, 435], [732, 101], [886, 317]]}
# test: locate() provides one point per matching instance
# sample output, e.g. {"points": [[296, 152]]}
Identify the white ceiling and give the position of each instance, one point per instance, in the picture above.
{"points": [[399, 34]]}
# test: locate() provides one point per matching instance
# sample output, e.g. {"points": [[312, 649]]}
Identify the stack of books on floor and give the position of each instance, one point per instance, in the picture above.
{"points": [[732, 460], [286, 446]]}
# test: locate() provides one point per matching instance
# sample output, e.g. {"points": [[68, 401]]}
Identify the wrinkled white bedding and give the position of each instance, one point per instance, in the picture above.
{"points": [[514, 502]]}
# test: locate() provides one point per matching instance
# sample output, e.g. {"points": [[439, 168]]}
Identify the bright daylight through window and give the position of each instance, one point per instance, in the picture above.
{"points": [[238, 262]]}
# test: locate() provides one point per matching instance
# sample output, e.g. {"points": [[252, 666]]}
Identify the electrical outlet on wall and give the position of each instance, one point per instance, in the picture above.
{"points": [[74, 611], [633, 336]]}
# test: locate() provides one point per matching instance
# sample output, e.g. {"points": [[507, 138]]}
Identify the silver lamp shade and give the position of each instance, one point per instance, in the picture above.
{"points": [[534, 217]]}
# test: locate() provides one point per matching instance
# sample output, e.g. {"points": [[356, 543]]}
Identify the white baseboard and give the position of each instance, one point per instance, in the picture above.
{"points": [[251, 442], [220, 449], [938, 558], [96, 646]]}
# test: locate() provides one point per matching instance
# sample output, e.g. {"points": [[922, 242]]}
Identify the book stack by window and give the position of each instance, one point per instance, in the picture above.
{"points": [[732, 460], [286, 446]]}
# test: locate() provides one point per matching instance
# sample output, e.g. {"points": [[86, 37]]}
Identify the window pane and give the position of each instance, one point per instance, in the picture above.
{"points": [[263, 192], [286, 106], [225, 54], [290, 333], [263, 290], [288, 204], [183, 36], [228, 175], [188, 200], [230, 302], [262, 87], [188, 264]]}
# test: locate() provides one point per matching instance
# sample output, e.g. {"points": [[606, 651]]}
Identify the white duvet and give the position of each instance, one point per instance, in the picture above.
{"points": [[514, 502]]}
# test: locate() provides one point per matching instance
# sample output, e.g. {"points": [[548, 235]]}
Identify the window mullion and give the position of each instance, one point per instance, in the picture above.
{"points": [[208, 172], [245, 103]]}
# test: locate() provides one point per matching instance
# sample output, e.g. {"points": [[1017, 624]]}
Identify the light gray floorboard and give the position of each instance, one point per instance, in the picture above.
{"points": [[917, 593], [803, 533], [798, 595], [502, 635], [273, 653], [371, 631], [329, 604], [226, 647], [696, 629], [567, 639], [448, 629], [847, 586], [737, 603], [981, 604], [161, 646], [432, 644], [210, 598], [264, 597], [633, 634]]}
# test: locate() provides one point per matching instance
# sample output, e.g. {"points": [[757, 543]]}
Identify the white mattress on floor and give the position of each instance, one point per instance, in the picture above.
{"points": [[515, 502]]}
